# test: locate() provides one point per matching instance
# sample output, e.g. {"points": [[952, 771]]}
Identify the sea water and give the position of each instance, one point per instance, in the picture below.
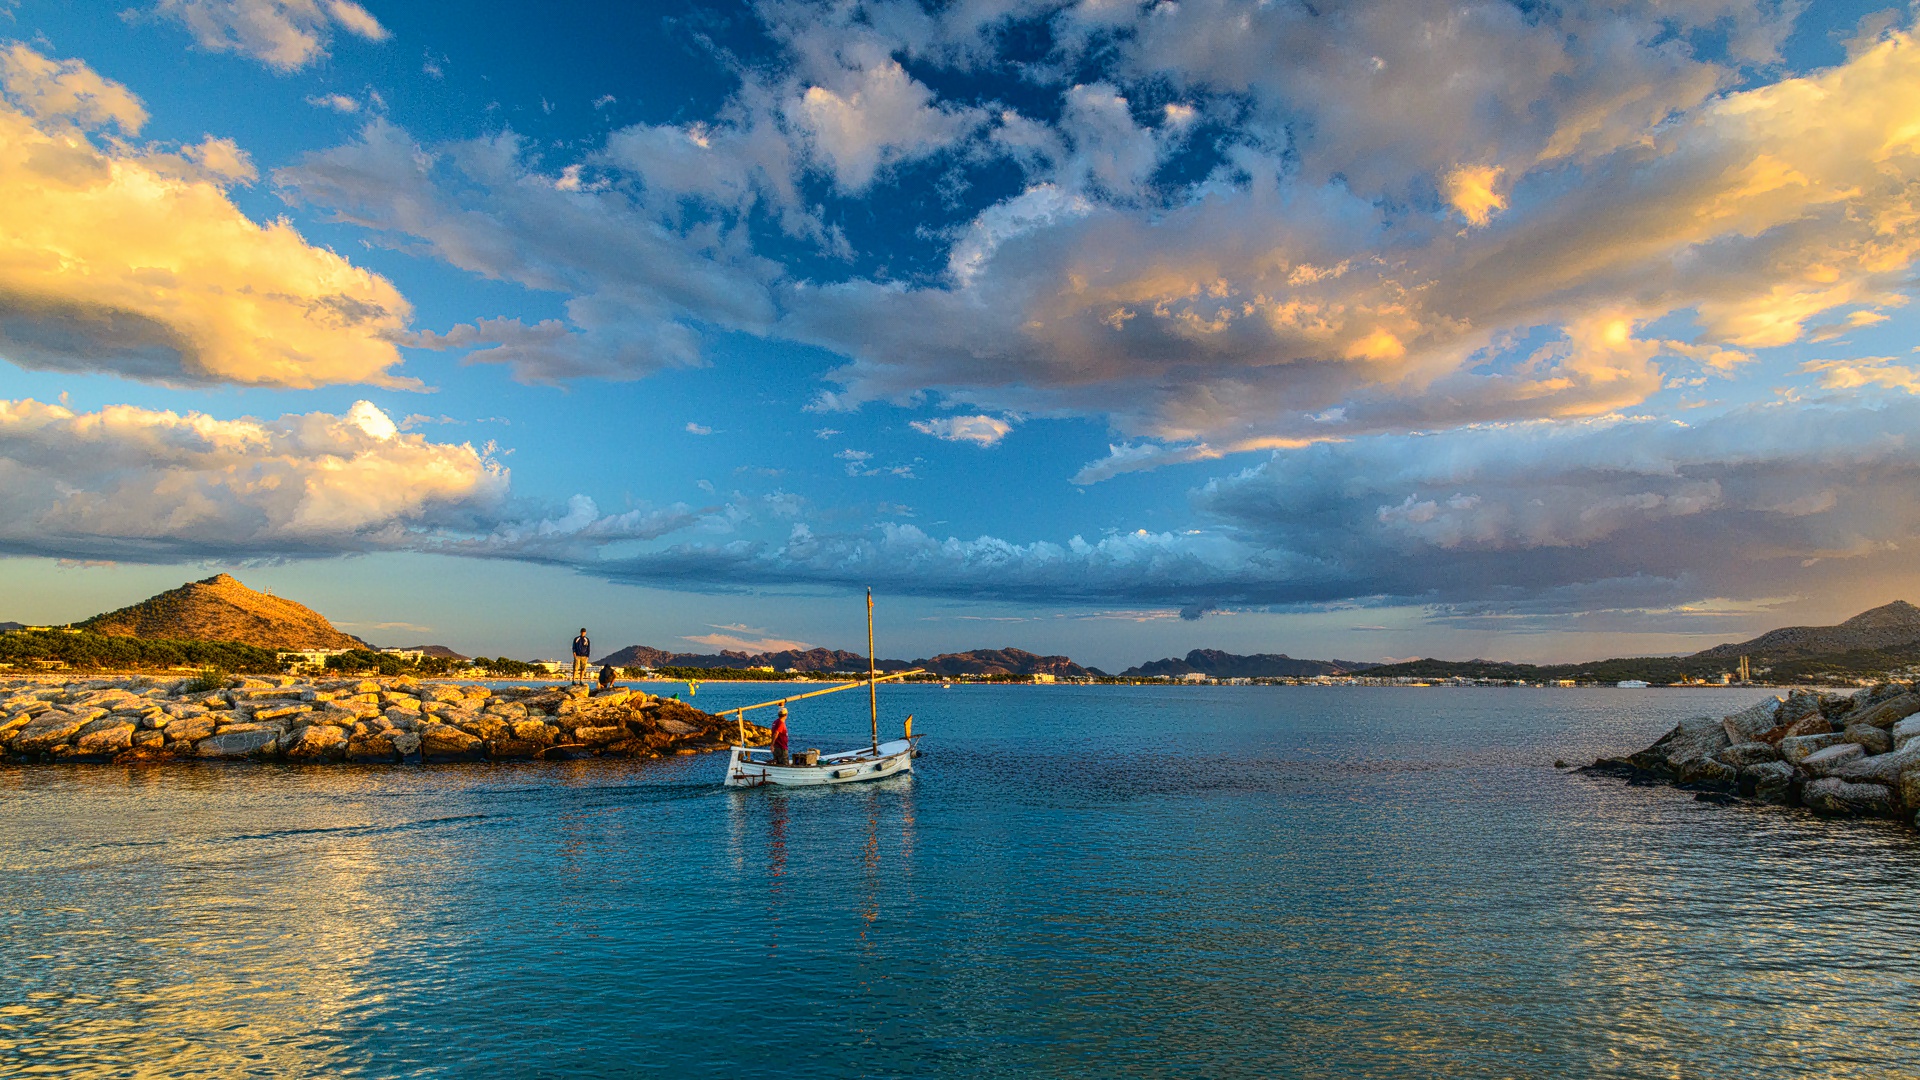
{"points": [[1076, 881]]}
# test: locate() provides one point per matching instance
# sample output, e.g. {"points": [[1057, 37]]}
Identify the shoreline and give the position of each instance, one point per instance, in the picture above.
{"points": [[141, 719], [1836, 755]]}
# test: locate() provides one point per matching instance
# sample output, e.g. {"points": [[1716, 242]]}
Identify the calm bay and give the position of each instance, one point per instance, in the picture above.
{"points": [[1077, 881]]}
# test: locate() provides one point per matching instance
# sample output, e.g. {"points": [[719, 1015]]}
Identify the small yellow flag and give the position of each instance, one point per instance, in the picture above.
{"points": [[909, 725]]}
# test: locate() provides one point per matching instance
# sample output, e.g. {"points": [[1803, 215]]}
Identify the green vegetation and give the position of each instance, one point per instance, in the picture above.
{"points": [[368, 662], [501, 667], [83, 649], [206, 682]]}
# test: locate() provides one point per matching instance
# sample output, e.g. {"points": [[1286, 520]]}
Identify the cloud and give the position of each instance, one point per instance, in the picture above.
{"points": [[979, 430], [285, 35], [144, 485], [874, 116], [698, 429], [339, 103], [640, 287], [745, 644], [135, 261], [1867, 371]]}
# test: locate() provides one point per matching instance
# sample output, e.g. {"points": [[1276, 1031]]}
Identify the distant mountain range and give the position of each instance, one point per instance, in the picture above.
{"points": [[1885, 639], [977, 662], [1226, 665], [220, 608]]}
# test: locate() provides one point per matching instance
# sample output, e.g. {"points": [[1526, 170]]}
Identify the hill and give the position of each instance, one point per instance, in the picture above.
{"points": [[797, 659], [439, 651], [1004, 662], [976, 662], [220, 608], [1887, 627], [1226, 665]]}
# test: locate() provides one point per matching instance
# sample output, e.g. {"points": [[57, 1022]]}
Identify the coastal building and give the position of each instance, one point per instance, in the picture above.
{"points": [[1041, 677], [551, 667], [310, 656], [1632, 684], [406, 654]]}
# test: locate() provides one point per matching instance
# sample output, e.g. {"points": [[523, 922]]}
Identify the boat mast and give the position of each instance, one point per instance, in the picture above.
{"points": [[873, 689]]}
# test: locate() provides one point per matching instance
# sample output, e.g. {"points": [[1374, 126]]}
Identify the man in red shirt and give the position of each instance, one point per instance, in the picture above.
{"points": [[780, 737]]}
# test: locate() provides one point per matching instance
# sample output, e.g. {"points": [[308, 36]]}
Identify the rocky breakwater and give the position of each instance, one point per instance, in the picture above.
{"points": [[1839, 755], [351, 720]]}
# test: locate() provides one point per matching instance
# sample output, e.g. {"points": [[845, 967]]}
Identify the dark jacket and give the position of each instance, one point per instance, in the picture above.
{"points": [[581, 646]]}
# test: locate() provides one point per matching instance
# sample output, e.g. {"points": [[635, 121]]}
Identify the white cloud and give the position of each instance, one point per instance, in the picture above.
{"points": [[339, 103], [150, 485], [285, 35], [135, 260], [698, 429], [978, 430], [874, 116], [746, 644]]}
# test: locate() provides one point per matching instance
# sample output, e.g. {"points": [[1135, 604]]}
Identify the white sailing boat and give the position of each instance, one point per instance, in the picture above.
{"points": [[749, 766]]}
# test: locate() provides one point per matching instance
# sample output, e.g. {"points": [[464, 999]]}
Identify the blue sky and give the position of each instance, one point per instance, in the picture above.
{"points": [[1357, 329]]}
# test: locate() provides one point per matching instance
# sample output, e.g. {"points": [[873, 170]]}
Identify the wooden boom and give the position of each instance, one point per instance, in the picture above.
{"points": [[829, 690]]}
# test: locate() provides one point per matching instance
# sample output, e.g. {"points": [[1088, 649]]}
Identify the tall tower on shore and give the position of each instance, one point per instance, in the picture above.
{"points": [[1746, 672]]}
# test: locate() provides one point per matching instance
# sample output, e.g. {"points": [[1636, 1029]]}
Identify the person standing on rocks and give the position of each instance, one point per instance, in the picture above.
{"points": [[582, 648], [780, 737]]}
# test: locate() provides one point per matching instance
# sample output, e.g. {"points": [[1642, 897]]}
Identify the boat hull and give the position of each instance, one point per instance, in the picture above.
{"points": [[749, 767]]}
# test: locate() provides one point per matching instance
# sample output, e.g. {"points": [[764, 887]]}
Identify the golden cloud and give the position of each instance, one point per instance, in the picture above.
{"points": [[134, 260]]}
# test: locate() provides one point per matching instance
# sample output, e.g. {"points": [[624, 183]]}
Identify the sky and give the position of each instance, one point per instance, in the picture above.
{"points": [[1358, 329]]}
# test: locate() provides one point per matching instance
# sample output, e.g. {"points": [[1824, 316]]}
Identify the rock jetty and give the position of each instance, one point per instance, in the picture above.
{"points": [[350, 720], [1838, 755]]}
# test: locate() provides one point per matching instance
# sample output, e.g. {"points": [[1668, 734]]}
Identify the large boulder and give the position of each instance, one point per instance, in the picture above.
{"points": [[1823, 762], [1871, 739], [1879, 768], [1769, 781], [318, 742], [1904, 731], [1806, 725], [49, 730], [600, 736], [1795, 750], [514, 749], [444, 742], [240, 742], [190, 729], [1886, 713], [372, 748], [535, 731], [442, 692], [1799, 703], [1750, 723], [405, 743], [107, 738], [1742, 754], [1707, 772], [1834, 797]]}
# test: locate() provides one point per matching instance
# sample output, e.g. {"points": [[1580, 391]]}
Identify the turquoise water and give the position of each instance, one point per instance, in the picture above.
{"points": [[1079, 881]]}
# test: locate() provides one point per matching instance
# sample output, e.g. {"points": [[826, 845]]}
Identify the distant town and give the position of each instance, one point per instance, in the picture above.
{"points": [[220, 624]]}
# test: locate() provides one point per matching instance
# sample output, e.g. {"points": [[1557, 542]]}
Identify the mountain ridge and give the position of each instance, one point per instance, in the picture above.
{"points": [[1887, 626], [1226, 665]]}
